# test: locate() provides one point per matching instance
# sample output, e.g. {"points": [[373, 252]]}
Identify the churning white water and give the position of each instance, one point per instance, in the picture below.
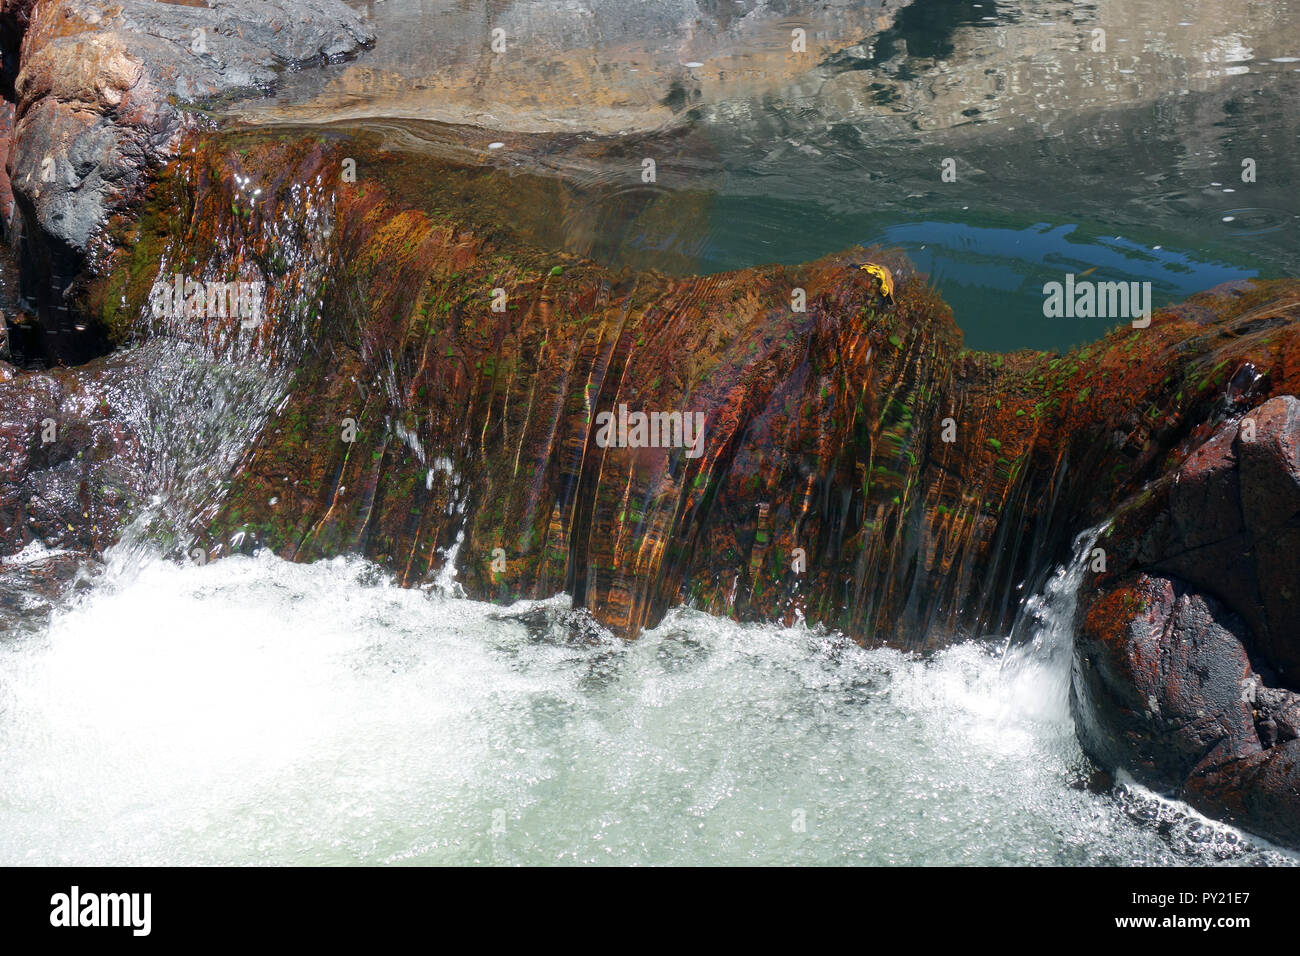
{"points": [[257, 711]]}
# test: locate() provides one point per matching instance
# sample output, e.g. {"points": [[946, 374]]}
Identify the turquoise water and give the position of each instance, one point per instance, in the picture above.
{"points": [[992, 275]]}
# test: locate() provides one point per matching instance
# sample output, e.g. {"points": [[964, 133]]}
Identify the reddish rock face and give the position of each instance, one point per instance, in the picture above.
{"points": [[6, 188], [1187, 662], [1228, 522], [860, 469], [1168, 669], [1269, 455], [1164, 687]]}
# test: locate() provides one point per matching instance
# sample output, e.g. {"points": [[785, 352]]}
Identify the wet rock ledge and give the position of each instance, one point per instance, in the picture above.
{"points": [[860, 469], [1187, 662]]}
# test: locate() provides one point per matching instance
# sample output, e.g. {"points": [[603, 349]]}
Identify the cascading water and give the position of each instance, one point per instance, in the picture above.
{"points": [[1036, 656], [254, 711]]}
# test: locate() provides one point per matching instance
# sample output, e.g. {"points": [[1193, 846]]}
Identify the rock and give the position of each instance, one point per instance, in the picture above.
{"points": [[1163, 687], [72, 468], [1187, 666], [32, 584], [860, 468], [102, 84], [1163, 684], [6, 188], [1227, 520], [101, 103], [1269, 456], [9, 307], [14, 17]]}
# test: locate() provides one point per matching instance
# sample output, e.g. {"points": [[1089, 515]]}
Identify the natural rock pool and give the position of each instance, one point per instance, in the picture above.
{"points": [[1125, 159]]}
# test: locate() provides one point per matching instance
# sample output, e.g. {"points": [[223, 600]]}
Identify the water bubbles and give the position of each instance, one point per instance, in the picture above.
{"points": [[1250, 221], [186, 693]]}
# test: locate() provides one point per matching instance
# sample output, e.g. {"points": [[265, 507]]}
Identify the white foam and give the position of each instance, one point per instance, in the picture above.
{"points": [[257, 711]]}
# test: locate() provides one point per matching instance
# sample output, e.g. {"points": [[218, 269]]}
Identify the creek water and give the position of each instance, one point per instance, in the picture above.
{"points": [[256, 711], [1105, 136]]}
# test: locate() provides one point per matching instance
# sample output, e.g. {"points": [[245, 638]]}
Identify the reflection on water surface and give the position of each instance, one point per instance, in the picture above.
{"points": [[1107, 135]]}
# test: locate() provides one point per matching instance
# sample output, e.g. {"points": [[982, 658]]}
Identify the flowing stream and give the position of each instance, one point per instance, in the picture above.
{"points": [[257, 711]]}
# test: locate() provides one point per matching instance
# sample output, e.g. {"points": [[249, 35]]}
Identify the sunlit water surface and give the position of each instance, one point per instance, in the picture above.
{"points": [[257, 711], [1106, 137]]}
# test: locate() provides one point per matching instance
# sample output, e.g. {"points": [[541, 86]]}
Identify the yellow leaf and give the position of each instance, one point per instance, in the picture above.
{"points": [[884, 275]]}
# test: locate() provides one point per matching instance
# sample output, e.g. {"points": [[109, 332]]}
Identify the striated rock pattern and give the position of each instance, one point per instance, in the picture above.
{"points": [[859, 468]]}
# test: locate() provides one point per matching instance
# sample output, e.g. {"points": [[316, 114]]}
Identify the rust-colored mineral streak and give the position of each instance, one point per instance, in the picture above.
{"points": [[859, 468]]}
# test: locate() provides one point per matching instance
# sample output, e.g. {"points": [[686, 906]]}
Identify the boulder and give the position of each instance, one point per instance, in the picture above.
{"points": [[1227, 520], [1268, 449], [860, 469], [73, 467], [1187, 660], [1163, 687], [105, 89]]}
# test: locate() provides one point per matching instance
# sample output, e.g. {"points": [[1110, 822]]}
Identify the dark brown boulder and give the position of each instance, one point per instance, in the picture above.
{"points": [[1162, 680], [1228, 521], [1187, 661], [1163, 687], [1269, 454]]}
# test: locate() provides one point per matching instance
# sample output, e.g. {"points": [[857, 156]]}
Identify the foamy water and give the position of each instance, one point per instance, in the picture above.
{"points": [[256, 711]]}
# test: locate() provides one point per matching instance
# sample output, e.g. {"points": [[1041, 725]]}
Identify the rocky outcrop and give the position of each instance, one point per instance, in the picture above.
{"points": [[860, 469], [1165, 688], [607, 67], [1188, 658], [1228, 521], [103, 93]]}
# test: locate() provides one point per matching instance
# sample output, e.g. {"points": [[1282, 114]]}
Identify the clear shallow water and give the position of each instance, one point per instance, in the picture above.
{"points": [[1133, 150], [256, 711]]}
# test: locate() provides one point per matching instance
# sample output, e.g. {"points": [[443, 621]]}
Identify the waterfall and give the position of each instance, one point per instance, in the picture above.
{"points": [[1037, 654]]}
